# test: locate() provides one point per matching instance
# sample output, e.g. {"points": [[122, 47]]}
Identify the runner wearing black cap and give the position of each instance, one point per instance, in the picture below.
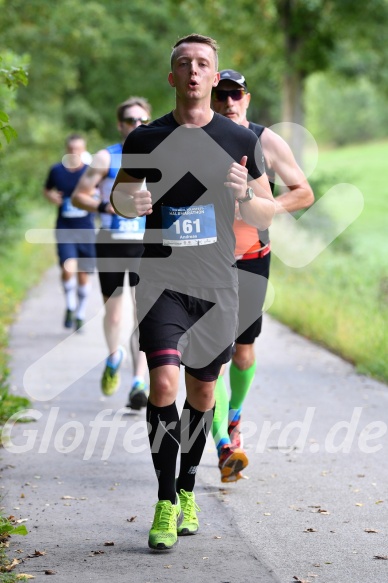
{"points": [[231, 99]]}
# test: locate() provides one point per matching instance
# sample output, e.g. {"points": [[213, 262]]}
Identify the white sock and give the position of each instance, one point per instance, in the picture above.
{"points": [[83, 294], [114, 358], [70, 287], [137, 379]]}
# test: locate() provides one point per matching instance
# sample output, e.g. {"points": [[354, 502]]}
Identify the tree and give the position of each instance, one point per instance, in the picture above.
{"points": [[86, 57], [313, 33], [280, 43]]}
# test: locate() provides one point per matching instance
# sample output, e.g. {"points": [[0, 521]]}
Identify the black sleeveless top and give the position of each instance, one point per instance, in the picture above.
{"points": [[258, 130]]}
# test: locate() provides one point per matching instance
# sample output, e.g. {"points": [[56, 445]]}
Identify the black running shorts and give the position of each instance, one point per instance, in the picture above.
{"points": [[200, 323], [251, 294], [114, 260]]}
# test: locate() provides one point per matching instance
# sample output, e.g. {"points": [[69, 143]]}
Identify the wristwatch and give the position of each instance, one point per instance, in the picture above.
{"points": [[248, 195]]}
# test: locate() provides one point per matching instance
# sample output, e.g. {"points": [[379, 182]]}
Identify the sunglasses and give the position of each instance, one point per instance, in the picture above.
{"points": [[132, 120], [222, 95]]}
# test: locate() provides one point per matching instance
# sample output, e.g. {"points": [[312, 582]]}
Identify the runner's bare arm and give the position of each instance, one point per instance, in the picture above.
{"points": [[83, 194], [53, 196], [127, 199], [280, 158], [259, 211]]}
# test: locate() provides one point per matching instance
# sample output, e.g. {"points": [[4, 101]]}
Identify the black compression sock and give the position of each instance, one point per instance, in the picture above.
{"points": [[195, 427], [164, 436]]}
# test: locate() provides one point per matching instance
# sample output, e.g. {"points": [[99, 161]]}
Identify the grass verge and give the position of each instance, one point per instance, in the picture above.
{"points": [[21, 267], [27, 262], [340, 299]]}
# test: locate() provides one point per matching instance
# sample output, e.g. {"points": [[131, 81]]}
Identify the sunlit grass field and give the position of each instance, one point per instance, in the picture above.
{"points": [[341, 298]]}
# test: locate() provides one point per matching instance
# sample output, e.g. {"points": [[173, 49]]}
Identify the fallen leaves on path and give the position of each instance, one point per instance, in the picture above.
{"points": [[297, 508], [132, 519], [370, 530], [319, 510], [381, 557], [36, 554], [310, 530], [14, 563]]}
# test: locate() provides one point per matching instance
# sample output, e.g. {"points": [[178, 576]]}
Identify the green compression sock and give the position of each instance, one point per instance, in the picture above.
{"points": [[240, 383], [220, 419]]}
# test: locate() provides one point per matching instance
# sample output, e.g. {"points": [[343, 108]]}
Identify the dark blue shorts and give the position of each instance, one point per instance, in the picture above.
{"points": [[82, 249]]}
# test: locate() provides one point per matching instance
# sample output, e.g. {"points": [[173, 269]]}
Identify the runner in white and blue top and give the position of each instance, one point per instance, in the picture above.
{"points": [[119, 231], [119, 248]]}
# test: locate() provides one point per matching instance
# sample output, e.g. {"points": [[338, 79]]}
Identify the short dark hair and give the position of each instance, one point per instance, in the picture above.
{"points": [[73, 138], [196, 38], [140, 101]]}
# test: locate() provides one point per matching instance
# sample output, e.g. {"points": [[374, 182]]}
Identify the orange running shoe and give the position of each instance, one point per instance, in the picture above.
{"points": [[231, 462]]}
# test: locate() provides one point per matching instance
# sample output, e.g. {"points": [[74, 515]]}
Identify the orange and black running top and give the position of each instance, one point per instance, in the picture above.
{"points": [[249, 239]]}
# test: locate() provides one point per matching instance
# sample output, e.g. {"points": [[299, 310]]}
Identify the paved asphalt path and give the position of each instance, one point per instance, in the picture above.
{"points": [[313, 506]]}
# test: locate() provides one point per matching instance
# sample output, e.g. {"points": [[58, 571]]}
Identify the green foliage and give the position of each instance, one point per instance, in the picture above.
{"points": [[10, 210], [10, 77], [98, 56], [14, 76], [10, 404], [342, 113], [7, 528]]}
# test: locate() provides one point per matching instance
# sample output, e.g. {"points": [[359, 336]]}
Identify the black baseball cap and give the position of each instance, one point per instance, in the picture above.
{"points": [[235, 76]]}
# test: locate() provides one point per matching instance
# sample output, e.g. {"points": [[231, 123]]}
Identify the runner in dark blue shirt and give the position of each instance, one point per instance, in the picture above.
{"points": [[74, 231]]}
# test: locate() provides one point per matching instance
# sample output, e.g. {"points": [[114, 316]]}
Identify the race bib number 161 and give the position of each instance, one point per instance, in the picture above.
{"points": [[188, 226]]}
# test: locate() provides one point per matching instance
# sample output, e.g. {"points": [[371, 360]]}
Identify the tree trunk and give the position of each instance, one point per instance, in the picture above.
{"points": [[293, 111], [293, 81]]}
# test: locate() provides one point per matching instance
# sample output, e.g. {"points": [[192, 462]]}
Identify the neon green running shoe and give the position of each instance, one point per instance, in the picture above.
{"points": [[110, 381], [163, 533], [190, 522]]}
